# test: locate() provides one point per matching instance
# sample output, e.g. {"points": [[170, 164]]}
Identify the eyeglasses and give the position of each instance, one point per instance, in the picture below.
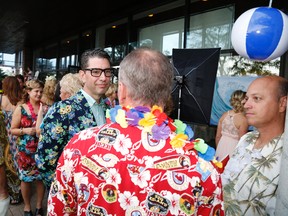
{"points": [[96, 72]]}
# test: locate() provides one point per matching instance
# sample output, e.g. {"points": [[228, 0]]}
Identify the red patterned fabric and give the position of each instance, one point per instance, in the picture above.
{"points": [[111, 170]]}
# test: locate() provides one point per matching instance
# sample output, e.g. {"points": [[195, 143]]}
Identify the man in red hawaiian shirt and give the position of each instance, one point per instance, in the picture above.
{"points": [[141, 162]]}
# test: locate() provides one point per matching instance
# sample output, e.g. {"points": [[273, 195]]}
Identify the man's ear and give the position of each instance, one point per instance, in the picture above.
{"points": [[82, 76], [122, 94], [283, 104]]}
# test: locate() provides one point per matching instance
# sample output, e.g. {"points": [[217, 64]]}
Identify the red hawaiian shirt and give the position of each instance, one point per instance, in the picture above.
{"points": [[111, 170]]}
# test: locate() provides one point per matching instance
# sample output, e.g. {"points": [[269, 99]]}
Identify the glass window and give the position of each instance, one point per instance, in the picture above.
{"points": [[239, 66], [73, 60], [8, 65], [62, 62], [67, 61], [117, 53], [53, 63], [163, 37], [113, 38], [170, 41], [8, 59], [211, 29]]}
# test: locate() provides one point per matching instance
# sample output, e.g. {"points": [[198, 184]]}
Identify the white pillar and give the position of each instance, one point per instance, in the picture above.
{"points": [[282, 192]]}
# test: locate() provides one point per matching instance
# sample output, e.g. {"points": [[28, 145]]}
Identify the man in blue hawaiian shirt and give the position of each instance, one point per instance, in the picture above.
{"points": [[83, 110]]}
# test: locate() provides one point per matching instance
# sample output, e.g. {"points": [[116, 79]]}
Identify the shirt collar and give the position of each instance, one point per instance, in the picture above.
{"points": [[89, 99], [274, 143]]}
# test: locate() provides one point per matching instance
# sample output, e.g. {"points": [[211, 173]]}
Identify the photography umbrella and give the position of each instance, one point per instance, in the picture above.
{"points": [[194, 79]]}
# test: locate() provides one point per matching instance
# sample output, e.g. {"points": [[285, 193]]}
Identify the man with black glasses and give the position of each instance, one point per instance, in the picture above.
{"points": [[83, 110]]}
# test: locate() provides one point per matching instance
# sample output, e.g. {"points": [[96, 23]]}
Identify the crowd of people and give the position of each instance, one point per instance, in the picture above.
{"points": [[112, 148]]}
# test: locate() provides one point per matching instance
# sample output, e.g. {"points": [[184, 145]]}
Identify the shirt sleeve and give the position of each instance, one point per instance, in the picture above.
{"points": [[53, 138], [62, 198]]}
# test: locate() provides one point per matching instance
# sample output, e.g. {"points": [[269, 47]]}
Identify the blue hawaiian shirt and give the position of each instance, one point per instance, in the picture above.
{"points": [[62, 121]]}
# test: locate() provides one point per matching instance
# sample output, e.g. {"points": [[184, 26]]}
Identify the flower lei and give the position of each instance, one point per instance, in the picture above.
{"points": [[52, 77], [160, 126]]}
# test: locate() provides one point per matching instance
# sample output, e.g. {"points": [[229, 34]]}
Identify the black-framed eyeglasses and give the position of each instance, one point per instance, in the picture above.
{"points": [[96, 72]]}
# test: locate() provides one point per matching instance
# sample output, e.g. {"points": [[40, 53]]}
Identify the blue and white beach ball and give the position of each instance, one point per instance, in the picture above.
{"points": [[261, 34]]}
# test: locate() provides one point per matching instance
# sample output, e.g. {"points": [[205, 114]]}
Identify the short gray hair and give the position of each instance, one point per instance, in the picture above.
{"points": [[148, 75]]}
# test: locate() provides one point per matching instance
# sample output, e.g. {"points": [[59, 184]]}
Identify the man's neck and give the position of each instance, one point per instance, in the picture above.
{"points": [[132, 103], [97, 98], [266, 134]]}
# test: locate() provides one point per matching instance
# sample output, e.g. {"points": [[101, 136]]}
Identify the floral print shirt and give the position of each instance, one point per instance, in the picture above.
{"points": [[250, 178], [62, 121], [26, 146], [3, 138], [110, 170]]}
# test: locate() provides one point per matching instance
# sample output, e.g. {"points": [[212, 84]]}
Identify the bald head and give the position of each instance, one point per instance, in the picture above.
{"points": [[274, 84], [266, 101]]}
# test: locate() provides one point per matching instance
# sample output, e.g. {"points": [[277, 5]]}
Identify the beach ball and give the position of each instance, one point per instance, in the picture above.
{"points": [[261, 34]]}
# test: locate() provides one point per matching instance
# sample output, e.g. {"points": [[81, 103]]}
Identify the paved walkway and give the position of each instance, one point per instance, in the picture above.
{"points": [[18, 210]]}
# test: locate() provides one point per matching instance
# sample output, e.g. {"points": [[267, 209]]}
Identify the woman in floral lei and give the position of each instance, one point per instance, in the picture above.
{"points": [[141, 162], [23, 126]]}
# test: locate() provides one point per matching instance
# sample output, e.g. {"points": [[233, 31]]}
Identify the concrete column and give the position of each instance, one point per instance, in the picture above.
{"points": [[27, 59], [282, 193], [17, 62]]}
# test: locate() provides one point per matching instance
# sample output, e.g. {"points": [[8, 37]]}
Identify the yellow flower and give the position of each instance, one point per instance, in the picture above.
{"points": [[217, 163], [155, 107], [147, 122], [179, 141], [65, 110], [121, 119], [62, 111], [68, 108], [59, 129]]}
